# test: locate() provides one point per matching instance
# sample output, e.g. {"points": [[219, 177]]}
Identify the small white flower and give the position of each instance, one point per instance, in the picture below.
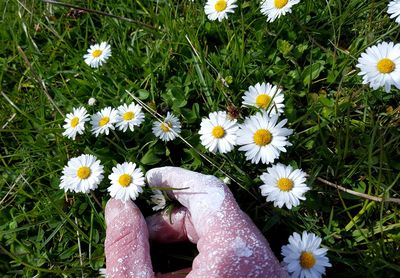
{"points": [[168, 129], [97, 54], [273, 9], [394, 10], [75, 122], [126, 181], [92, 101], [103, 121], [129, 116], [219, 9], [265, 96], [380, 66], [218, 132], [262, 138], [303, 256], [284, 186], [158, 199], [82, 174]]}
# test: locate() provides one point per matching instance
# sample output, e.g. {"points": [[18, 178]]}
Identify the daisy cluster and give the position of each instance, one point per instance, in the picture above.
{"points": [[125, 117]]}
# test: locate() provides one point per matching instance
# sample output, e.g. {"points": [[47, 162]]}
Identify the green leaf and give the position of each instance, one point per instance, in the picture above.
{"points": [[150, 158], [312, 71]]}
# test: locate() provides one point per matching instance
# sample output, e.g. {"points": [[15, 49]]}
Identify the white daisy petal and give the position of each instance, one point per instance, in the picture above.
{"points": [[218, 132], [262, 138], [394, 10], [219, 9], [97, 54], [303, 257], [265, 96], [380, 66], [129, 116], [274, 9], [82, 174], [168, 129], [126, 181], [103, 121], [282, 185], [75, 122], [158, 199]]}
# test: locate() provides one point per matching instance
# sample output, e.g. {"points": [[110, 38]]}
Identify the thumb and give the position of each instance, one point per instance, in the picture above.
{"points": [[127, 241]]}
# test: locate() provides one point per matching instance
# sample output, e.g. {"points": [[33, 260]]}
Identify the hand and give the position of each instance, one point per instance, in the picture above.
{"points": [[229, 243]]}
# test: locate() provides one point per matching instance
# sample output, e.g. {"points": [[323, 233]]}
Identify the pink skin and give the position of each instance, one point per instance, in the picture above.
{"points": [[229, 243]]}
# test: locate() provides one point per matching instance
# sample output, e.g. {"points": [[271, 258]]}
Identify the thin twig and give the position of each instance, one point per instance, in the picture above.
{"points": [[359, 194], [38, 80], [100, 13]]}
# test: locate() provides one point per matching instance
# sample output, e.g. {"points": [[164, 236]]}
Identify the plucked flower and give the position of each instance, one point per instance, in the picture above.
{"points": [[82, 174], [129, 116], [303, 256], [158, 199], [75, 122], [168, 129], [265, 96], [126, 181], [103, 121], [218, 132], [97, 54], [380, 66], [274, 9], [219, 9], [284, 186], [262, 138]]}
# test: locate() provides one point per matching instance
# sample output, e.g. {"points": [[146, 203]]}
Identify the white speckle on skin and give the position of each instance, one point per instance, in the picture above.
{"points": [[240, 248], [120, 260]]}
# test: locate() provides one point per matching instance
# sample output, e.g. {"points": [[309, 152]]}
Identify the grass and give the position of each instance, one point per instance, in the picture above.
{"points": [[167, 54]]}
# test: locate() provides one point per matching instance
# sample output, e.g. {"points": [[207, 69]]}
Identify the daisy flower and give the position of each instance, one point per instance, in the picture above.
{"points": [[284, 186], [103, 121], [394, 10], [380, 66], [265, 96], [219, 9], [82, 174], [158, 199], [218, 132], [303, 256], [168, 129], [129, 116], [262, 138], [97, 54], [126, 181], [75, 122], [273, 9]]}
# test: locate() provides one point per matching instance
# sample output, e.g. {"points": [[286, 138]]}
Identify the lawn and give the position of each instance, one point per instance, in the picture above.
{"points": [[168, 56]]}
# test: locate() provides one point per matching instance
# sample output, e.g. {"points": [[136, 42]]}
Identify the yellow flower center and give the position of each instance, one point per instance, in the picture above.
{"points": [[97, 53], [263, 101], [218, 132], [74, 121], [165, 127], [128, 116], [386, 65], [285, 184], [262, 137], [125, 180], [220, 5], [103, 121], [279, 4], [83, 172], [307, 259]]}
